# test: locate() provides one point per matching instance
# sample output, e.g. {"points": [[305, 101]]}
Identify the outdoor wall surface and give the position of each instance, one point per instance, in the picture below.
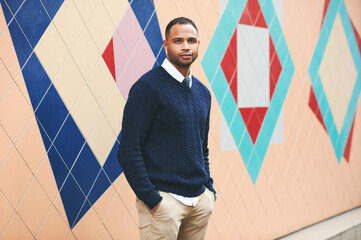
{"points": [[285, 131]]}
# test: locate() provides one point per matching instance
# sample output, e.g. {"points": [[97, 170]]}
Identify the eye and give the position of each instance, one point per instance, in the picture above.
{"points": [[177, 41]]}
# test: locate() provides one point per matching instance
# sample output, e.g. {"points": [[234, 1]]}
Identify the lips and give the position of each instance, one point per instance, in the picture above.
{"points": [[188, 55]]}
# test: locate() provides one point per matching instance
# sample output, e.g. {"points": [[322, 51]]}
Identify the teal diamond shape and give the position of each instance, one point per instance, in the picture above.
{"points": [[252, 154], [338, 139]]}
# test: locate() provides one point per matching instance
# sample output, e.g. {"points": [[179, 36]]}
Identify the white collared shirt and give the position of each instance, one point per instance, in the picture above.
{"points": [[174, 72], [188, 201]]}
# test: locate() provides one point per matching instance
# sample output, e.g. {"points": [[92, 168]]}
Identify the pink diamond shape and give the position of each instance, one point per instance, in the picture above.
{"points": [[128, 54]]}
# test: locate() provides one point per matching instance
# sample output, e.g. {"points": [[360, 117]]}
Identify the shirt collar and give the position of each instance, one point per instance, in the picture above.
{"points": [[174, 72]]}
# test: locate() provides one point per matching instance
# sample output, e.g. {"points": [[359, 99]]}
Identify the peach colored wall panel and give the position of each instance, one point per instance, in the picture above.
{"points": [[66, 67]]}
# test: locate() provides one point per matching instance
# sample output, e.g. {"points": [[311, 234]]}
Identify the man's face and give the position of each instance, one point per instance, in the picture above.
{"points": [[182, 45]]}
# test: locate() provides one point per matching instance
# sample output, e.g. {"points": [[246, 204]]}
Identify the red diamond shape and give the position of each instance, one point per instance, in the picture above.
{"points": [[108, 57], [253, 116]]}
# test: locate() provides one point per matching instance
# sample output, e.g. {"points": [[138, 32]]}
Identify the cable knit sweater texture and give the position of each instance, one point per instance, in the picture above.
{"points": [[164, 139]]}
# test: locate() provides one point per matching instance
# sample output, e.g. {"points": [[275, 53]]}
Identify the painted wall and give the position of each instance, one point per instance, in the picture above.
{"points": [[285, 135]]}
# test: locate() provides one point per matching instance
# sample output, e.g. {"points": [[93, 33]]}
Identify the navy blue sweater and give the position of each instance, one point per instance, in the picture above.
{"points": [[164, 139]]}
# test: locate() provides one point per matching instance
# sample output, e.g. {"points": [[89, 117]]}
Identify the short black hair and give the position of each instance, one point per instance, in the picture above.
{"points": [[179, 20]]}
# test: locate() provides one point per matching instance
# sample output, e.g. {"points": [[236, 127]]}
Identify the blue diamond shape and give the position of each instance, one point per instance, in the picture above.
{"points": [[252, 154], [80, 178], [338, 139]]}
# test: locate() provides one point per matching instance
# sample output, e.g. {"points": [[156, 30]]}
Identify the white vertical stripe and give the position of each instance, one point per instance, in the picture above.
{"points": [[253, 82], [278, 5], [227, 141], [277, 136], [222, 6]]}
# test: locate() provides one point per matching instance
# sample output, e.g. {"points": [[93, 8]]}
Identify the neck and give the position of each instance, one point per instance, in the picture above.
{"points": [[183, 70]]}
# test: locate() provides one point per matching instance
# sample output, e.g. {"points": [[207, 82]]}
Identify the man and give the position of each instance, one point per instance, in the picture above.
{"points": [[164, 142]]}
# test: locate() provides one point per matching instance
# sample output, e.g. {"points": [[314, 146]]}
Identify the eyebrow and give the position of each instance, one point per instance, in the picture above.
{"points": [[180, 38]]}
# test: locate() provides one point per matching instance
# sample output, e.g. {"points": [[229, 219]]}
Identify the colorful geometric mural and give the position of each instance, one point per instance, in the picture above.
{"points": [[65, 71], [82, 148], [251, 127], [338, 48]]}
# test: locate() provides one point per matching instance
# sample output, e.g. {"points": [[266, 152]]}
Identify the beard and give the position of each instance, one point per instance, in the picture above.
{"points": [[177, 60]]}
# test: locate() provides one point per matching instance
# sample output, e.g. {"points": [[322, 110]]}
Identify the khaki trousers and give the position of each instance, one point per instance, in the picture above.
{"points": [[174, 220]]}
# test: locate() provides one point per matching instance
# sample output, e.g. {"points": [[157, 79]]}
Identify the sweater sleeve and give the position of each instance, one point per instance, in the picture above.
{"points": [[209, 184], [138, 115]]}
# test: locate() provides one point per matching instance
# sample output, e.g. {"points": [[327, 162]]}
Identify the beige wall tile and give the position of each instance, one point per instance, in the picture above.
{"points": [[353, 10], [113, 110], [10, 69], [220, 214], [102, 206], [237, 211], [103, 234], [116, 9], [88, 226], [14, 119], [189, 9], [6, 146], [249, 230], [12, 186], [86, 7], [70, 236], [34, 207], [16, 229], [85, 112], [31, 146], [101, 139], [2, 21], [127, 196], [117, 219], [85, 53], [209, 23], [69, 23], [51, 51], [20, 82], [5, 80], [230, 231], [58, 204], [69, 75], [101, 83], [166, 11], [8, 55], [6, 212], [261, 219], [131, 231], [301, 32], [53, 225], [45, 177], [212, 233], [118, 183], [101, 27]]}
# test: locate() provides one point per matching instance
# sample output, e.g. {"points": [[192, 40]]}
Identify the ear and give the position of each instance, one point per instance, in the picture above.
{"points": [[165, 44]]}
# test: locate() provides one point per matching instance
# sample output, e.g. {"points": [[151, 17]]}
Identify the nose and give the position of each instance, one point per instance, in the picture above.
{"points": [[185, 46]]}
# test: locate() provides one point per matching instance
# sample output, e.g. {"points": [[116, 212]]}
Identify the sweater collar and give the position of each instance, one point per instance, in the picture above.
{"points": [[174, 72]]}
